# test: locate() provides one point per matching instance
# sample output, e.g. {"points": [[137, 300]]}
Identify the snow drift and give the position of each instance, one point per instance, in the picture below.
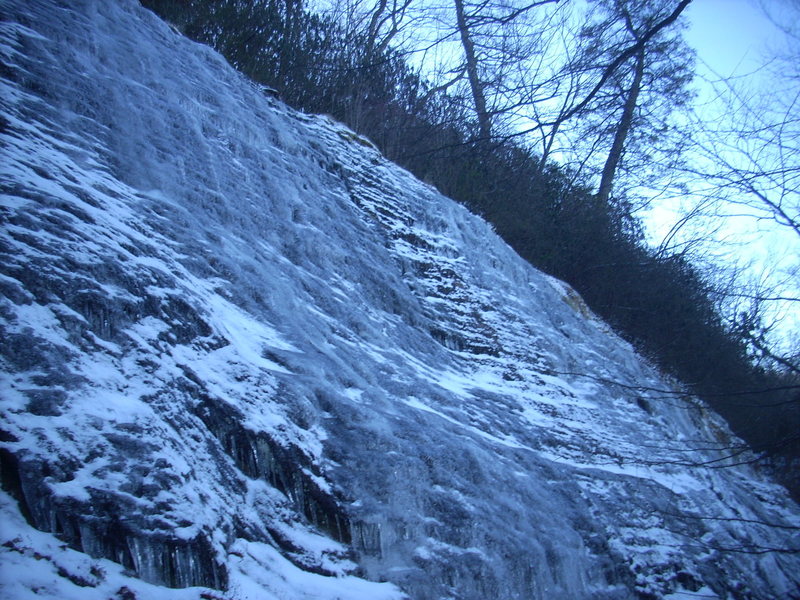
{"points": [[244, 356]]}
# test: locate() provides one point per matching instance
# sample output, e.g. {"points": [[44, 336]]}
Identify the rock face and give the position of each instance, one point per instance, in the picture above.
{"points": [[244, 356]]}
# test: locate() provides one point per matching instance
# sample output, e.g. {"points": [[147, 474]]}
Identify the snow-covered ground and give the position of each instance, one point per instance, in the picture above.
{"points": [[244, 356]]}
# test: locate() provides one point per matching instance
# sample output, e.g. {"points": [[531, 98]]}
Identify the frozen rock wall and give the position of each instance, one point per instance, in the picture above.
{"points": [[244, 356]]}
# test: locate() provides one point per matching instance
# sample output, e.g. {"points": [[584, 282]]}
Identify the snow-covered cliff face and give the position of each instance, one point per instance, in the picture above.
{"points": [[243, 352]]}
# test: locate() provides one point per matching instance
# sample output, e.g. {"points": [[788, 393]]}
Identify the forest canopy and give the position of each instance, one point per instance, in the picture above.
{"points": [[558, 121]]}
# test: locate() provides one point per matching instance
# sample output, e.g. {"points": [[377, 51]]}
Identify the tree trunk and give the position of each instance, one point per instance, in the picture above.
{"points": [[484, 122], [623, 128]]}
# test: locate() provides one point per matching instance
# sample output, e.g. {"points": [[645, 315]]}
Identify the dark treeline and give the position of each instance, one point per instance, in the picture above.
{"points": [[660, 301]]}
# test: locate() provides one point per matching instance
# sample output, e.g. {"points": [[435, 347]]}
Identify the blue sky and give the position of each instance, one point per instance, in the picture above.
{"points": [[729, 35], [735, 38]]}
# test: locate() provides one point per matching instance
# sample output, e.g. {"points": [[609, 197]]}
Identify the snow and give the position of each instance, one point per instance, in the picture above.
{"points": [[237, 338], [35, 565], [262, 572], [703, 592]]}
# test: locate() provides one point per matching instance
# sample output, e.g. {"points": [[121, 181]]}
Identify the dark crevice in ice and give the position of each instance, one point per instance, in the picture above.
{"points": [[287, 469], [96, 528]]}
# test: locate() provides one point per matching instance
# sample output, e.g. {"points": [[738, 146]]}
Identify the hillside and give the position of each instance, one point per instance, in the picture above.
{"points": [[245, 356]]}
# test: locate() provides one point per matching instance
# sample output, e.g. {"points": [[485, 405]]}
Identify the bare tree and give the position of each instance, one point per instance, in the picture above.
{"points": [[752, 153], [471, 67], [628, 126], [622, 129], [746, 174], [495, 39]]}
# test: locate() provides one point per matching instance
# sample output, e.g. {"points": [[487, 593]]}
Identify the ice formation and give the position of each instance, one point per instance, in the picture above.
{"points": [[245, 356]]}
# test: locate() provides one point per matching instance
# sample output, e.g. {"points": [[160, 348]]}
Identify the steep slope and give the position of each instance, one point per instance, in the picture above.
{"points": [[244, 356]]}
